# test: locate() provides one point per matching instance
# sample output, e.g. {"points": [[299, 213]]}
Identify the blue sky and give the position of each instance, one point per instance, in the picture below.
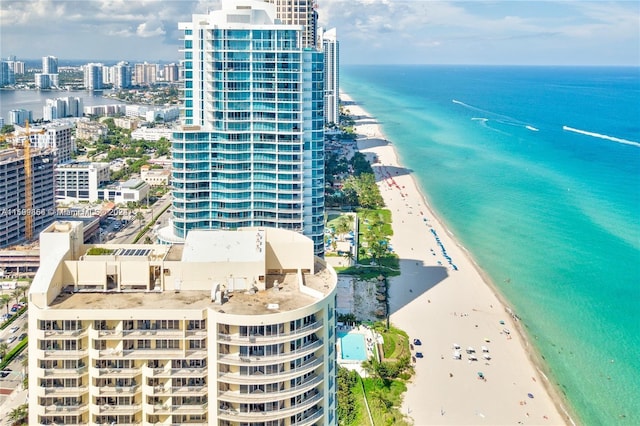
{"points": [[515, 32]]}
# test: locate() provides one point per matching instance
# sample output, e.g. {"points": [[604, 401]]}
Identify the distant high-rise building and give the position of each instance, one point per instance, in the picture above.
{"points": [[49, 65], [331, 49], [122, 75], [93, 76], [251, 151], [49, 76], [62, 107], [43, 81], [145, 73], [6, 73], [171, 72], [19, 116], [18, 67], [53, 109], [299, 12]]}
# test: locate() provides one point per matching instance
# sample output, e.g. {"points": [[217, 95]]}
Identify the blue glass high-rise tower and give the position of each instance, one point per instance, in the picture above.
{"points": [[250, 151]]}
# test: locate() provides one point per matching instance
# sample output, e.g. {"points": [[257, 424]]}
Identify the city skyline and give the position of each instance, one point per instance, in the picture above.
{"points": [[370, 31]]}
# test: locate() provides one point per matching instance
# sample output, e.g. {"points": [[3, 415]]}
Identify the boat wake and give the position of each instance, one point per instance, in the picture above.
{"points": [[501, 119], [599, 136]]}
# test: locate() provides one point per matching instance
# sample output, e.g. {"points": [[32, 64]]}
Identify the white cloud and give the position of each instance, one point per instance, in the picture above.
{"points": [[368, 30], [150, 29]]}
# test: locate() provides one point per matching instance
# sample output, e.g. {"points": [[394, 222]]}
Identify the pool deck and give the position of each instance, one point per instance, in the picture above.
{"points": [[370, 340]]}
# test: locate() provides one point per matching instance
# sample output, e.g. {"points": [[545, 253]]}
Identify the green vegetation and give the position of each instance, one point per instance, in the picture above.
{"points": [[99, 251], [146, 228], [350, 398], [359, 188], [19, 415], [13, 353], [383, 388]]}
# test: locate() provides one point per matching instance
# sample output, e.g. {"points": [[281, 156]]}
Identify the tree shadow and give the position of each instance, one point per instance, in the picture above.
{"points": [[383, 172]]}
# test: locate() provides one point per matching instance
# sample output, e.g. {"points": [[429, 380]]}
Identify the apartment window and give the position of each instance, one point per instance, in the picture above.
{"points": [[167, 344]]}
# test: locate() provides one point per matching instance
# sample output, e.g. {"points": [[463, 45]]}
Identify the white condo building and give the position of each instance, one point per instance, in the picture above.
{"points": [[93, 76], [49, 76], [251, 148], [231, 328], [331, 49], [62, 107]]}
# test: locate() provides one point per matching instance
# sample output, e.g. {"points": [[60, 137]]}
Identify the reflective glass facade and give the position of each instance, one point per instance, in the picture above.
{"points": [[251, 149]]}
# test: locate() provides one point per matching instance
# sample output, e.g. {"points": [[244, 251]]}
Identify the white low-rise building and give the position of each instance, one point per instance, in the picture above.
{"points": [[133, 190], [231, 328], [155, 177], [151, 134], [80, 181]]}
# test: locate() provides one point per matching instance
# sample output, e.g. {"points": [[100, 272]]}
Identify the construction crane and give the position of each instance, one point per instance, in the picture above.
{"points": [[28, 174]]}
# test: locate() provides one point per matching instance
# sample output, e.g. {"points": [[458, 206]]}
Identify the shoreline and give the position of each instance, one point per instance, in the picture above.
{"points": [[371, 140]]}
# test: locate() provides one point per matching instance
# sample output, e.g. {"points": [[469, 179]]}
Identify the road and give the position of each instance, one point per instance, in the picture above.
{"points": [[127, 234], [11, 392]]}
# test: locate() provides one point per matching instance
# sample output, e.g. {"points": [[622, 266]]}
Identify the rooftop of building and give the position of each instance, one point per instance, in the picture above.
{"points": [[282, 294], [253, 271]]}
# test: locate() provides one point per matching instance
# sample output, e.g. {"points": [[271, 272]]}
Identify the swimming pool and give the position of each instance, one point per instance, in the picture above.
{"points": [[353, 346]]}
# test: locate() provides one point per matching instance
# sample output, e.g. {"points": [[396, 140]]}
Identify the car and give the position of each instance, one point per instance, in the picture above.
{"points": [[11, 339], [417, 342], [22, 336], [4, 374], [419, 355], [14, 329]]}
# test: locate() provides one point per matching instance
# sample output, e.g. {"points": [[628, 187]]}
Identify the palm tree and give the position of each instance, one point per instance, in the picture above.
{"points": [[350, 257], [139, 218], [3, 349], [5, 299], [343, 226], [19, 415], [16, 294]]}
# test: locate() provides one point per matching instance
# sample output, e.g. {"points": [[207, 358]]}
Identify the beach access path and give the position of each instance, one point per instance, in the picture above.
{"points": [[442, 299]]}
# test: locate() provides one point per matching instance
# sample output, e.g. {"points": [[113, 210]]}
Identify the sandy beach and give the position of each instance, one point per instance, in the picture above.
{"points": [[442, 299]]}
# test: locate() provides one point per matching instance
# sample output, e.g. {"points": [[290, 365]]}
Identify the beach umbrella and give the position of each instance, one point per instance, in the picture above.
{"points": [[530, 395]]}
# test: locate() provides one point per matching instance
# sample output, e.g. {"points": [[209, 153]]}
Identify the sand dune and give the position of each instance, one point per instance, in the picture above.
{"points": [[443, 299]]}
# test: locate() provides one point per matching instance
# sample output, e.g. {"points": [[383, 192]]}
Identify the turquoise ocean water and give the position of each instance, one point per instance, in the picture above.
{"points": [[536, 171]]}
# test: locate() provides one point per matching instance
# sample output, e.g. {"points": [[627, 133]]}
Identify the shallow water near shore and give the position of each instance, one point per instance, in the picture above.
{"points": [[535, 171]]}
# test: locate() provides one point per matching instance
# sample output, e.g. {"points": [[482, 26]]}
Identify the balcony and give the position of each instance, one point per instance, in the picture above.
{"points": [[118, 390], [236, 378], [238, 416], [61, 354], [63, 372], [256, 360], [178, 409], [189, 390], [258, 397], [56, 334], [105, 334], [119, 409], [178, 372], [61, 391], [66, 409], [310, 419], [154, 333], [237, 339], [115, 372]]}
